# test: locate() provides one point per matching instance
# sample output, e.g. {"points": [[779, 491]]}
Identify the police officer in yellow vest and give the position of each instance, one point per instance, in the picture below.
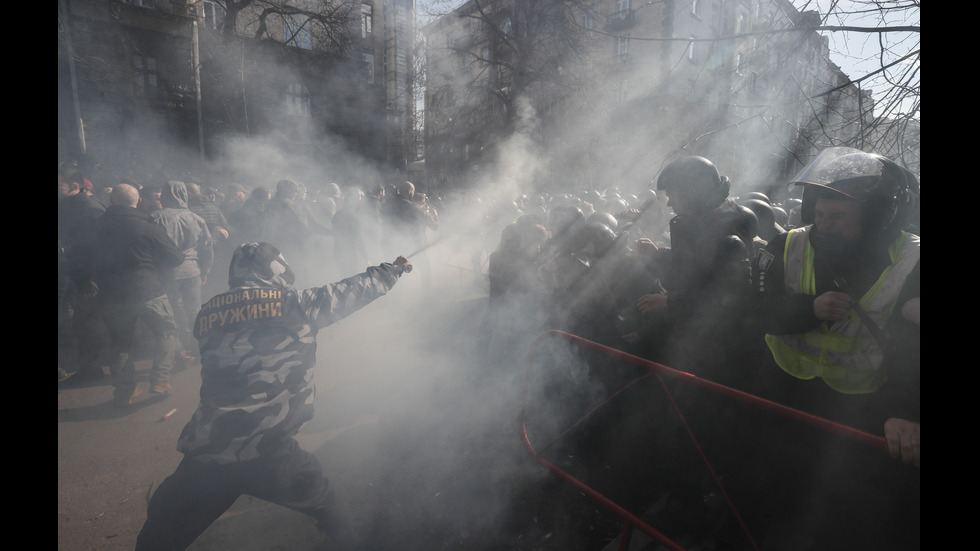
{"points": [[839, 304], [833, 289]]}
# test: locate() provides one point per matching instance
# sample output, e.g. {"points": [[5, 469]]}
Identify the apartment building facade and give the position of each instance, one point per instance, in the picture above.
{"points": [[171, 81], [747, 83]]}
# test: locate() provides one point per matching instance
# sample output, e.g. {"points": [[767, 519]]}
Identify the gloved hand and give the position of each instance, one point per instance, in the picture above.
{"points": [[404, 264]]}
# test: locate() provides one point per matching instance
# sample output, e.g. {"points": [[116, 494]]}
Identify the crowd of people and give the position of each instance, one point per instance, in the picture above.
{"points": [[179, 234], [812, 304], [809, 299]]}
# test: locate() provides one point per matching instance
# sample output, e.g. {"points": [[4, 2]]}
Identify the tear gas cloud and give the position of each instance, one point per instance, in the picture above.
{"points": [[404, 397], [442, 441], [402, 392]]}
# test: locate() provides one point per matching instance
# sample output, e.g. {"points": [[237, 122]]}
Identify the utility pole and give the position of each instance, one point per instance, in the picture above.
{"points": [[79, 123], [196, 60]]}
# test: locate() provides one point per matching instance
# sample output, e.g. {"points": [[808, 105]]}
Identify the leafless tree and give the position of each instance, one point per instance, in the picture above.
{"points": [[518, 48], [329, 22], [801, 113], [882, 37]]}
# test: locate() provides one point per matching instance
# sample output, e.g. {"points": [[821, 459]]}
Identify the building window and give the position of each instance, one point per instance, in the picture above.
{"points": [[450, 41], [622, 46], [622, 9], [738, 63], [367, 20], [214, 14], [297, 100], [144, 74], [485, 56], [506, 26], [741, 24], [696, 8], [141, 3], [622, 91], [367, 60], [691, 50], [297, 32], [589, 18]]}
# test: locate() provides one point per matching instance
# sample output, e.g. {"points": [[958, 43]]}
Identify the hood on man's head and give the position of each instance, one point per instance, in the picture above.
{"points": [[174, 195], [259, 265], [287, 189]]}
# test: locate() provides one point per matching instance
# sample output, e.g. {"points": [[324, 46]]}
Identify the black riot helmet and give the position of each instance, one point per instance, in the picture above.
{"points": [[604, 218], [766, 216], [749, 221], [596, 238], [756, 195], [565, 218], [781, 216], [878, 183], [906, 218], [698, 177]]}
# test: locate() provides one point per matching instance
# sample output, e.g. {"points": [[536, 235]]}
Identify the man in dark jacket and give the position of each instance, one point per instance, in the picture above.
{"points": [[79, 310], [288, 222], [183, 284], [285, 222], [708, 274], [128, 253], [707, 328], [406, 224], [258, 350]]}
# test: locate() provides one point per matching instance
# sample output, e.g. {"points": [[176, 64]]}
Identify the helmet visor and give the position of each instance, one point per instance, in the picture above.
{"points": [[845, 170]]}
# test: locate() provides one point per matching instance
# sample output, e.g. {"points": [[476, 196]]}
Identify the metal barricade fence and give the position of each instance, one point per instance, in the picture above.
{"points": [[630, 520]]}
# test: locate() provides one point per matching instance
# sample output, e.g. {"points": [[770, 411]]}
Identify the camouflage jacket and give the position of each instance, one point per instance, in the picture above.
{"points": [[258, 353]]}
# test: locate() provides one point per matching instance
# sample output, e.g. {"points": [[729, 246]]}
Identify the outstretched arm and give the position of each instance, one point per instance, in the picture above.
{"points": [[331, 303]]}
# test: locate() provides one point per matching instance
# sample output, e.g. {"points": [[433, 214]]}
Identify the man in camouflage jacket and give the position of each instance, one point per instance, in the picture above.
{"points": [[258, 353]]}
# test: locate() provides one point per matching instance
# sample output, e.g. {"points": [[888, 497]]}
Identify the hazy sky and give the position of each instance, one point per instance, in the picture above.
{"points": [[860, 53]]}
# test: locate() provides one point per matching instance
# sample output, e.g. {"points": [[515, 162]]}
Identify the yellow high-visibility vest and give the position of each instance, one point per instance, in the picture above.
{"points": [[844, 354]]}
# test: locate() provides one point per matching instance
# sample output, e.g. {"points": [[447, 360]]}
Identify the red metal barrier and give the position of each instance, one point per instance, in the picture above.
{"points": [[631, 521]]}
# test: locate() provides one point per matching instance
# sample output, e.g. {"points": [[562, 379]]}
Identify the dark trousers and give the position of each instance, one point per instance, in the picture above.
{"points": [[185, 299], [89, 336], [197, 493], [121, 321], [838, 493]]}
